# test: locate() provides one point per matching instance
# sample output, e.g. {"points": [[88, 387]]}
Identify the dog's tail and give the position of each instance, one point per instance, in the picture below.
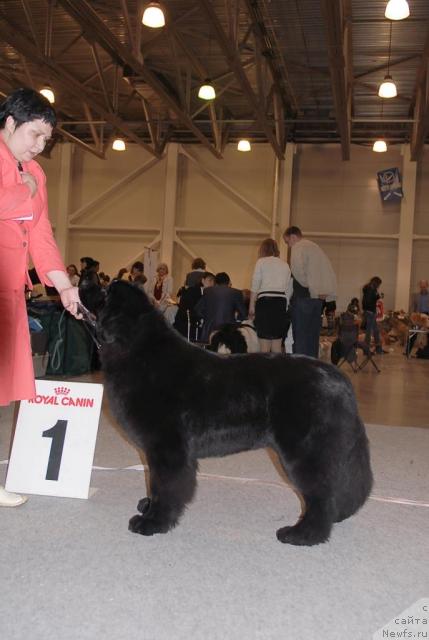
{"points": [[356, 480]]}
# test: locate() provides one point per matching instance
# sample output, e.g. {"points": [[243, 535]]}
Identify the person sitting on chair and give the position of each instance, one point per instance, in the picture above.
{"points": [[221, 304]]}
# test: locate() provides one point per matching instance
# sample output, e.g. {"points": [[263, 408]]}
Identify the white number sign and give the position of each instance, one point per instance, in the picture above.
{"points": [[54, 443]]}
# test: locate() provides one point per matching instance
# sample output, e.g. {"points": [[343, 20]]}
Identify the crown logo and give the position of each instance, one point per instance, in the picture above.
{"points": [[62, 391]]}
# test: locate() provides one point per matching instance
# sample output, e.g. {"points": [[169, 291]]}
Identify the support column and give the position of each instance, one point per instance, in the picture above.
{"points": [[170, 204], [406, 230], [284, 198], [62, 224]]}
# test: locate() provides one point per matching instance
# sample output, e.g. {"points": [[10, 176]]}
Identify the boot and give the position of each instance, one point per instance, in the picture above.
{"points": [[8, 499]]}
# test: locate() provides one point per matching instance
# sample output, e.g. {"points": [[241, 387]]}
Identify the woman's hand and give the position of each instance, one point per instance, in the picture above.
{"points": [[30, 181], [69, 295], [70, 299]]}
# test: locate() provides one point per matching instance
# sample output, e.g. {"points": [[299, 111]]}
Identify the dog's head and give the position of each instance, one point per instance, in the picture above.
{"points": [[92, 295], [119, 308]]}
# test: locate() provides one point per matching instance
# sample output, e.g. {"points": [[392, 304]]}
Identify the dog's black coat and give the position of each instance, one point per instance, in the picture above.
{"points": [[179, 403]]}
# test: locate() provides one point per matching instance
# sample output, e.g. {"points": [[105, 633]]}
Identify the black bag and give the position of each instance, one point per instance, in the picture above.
{"points": [[423, 353], [70, 346]]}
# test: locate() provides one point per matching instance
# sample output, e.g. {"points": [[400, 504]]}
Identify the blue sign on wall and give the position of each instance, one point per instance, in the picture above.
{"points": [[390, 185]]}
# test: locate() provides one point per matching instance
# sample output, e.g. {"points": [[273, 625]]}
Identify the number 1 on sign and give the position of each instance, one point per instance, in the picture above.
{"points": [[58, 434]]}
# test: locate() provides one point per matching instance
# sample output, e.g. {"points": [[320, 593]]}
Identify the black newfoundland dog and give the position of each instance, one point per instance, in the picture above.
{"points": [[179, 403]]}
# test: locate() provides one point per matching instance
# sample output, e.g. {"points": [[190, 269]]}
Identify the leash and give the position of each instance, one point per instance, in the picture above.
{"points": [[90, 324], [56, 356]]}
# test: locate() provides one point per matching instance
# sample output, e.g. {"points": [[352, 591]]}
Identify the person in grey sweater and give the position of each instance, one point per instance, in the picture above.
{"points": [[314, 285]]}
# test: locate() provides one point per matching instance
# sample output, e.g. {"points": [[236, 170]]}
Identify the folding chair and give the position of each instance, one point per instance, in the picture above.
{"points": [[348, 338]]}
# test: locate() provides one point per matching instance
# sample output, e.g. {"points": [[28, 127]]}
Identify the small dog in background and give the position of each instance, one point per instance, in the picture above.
{"points": [[235, 338]]}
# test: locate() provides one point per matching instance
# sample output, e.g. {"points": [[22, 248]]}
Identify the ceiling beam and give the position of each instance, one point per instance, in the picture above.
{"points": [[30, 21], [64, 79], [83, 13], [87, 147], [280, 77], [100, 74], [382, 67], [420, 128], [203, 74], [337, 16], [231, 54]]}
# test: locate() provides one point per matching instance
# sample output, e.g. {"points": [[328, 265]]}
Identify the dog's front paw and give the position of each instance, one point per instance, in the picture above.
{"points": [[147, 526]]}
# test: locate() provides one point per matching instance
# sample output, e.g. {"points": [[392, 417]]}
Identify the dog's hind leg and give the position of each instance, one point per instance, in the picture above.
{"points": [[172, 486], [314, 527]]}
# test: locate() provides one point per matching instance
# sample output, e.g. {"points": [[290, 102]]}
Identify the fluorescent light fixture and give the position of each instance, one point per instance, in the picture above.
{"points": [[118, 145], [243, 145], [397, 10], [379, 146], [153, 16], [387, 88], [207, 91], [48, 93]]}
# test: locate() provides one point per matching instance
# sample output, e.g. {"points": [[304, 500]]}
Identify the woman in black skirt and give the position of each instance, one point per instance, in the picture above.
{"points": [[270, 293]]}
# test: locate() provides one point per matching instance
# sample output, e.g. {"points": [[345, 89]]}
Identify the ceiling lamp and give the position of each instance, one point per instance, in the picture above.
{"points": [[48, 93], [387, 88], [379, 146], [243, 145], [153, 16], [118, 144], [207, 91], [397, 10]]}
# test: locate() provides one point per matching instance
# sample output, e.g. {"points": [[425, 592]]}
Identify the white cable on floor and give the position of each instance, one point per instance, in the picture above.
{"points": [[269, 483]]}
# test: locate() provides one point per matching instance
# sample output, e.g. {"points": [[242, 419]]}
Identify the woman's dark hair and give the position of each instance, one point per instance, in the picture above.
{"points": [[25, 105], [268, 248], [138, 265], [198, 263], [375, 282]]}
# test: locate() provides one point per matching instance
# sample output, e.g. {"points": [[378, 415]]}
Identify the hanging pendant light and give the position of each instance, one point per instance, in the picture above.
{"points": [[387, 88], [119, 144], [379, 146], [153, 16], [397, 10], [207, 91], [244, 145], [48, 93]]}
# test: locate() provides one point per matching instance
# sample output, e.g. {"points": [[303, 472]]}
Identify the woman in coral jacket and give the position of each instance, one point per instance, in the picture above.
{"points": [[26, 123]]}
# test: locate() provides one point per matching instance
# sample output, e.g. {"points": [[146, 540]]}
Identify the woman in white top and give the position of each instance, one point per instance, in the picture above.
{"points": [[270, 293]]}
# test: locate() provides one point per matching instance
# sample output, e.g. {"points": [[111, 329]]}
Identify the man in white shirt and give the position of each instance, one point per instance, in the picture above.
{"points": [[314, 285]]}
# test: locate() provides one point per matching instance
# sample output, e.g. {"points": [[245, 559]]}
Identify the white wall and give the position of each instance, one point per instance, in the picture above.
{"points": [[333, 201], [338, 197]]}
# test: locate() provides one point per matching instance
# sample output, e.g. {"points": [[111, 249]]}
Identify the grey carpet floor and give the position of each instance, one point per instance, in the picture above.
{"points": [[70, 570]]}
